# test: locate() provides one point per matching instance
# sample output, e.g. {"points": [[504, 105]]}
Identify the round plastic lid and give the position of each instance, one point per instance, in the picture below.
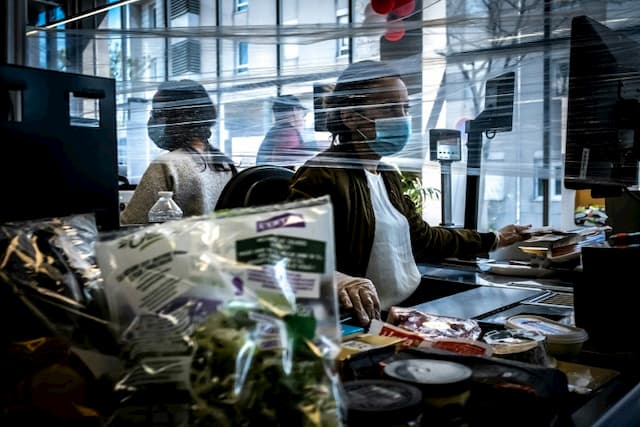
{"points": [[434, 377], [555, 332], [514, 337], [380, 401]]}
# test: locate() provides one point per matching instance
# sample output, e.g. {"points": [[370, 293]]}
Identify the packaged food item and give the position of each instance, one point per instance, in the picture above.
{"points": [[562, 340], [433, 326], [460, 346], [366, 342], [411, 338], [445, 386], [361, 355], [522, 345], [230, 317], [502, 392], [382, 402], [50, 281]]}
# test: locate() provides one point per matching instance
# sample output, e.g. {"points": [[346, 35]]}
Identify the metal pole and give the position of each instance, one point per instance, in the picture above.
{"points": [[546, 119], [445, 181], [474, 150], [279, 46], [13, 14]]}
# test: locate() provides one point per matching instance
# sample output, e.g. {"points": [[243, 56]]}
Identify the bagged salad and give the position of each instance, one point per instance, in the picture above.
{"points": [[228, 319]]}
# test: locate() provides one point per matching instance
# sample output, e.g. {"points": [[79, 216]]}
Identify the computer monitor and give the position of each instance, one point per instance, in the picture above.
{"points": [[603, 113], [59, 146], [497, 116]]}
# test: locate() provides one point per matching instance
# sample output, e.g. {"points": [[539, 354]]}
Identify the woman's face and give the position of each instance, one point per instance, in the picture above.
{"points": [[295, 117], [388, 98]]}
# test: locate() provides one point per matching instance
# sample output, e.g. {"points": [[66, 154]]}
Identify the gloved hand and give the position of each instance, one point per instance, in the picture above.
{"points": [[510, 234], [360, 295]]}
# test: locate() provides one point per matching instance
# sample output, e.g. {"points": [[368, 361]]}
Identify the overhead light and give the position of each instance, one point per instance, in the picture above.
{"points": [[83, 15]]}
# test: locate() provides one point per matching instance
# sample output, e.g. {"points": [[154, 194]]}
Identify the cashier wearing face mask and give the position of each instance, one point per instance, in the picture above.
{"points": [[379, 234]]}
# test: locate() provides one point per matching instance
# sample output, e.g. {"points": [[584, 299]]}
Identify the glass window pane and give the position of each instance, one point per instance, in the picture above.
{"points": [[245, 59]]}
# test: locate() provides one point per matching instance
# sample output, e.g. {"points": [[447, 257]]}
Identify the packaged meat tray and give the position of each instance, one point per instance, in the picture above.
{"points": [[433, 326]]}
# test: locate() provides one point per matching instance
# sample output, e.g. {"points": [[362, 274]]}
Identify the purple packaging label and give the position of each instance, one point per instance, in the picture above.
{"points": [[281, 221]]}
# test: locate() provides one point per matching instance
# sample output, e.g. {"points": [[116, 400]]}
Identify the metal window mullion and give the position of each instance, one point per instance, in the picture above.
{"points": [[278, 46], [165, 19]]}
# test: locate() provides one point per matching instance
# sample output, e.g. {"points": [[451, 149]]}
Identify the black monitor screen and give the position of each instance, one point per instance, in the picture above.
{"points": [[59, 147], [603, 117]]}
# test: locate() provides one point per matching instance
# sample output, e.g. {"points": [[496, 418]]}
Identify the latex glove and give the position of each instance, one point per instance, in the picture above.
{"points": [[360, 295], [510, 234]]}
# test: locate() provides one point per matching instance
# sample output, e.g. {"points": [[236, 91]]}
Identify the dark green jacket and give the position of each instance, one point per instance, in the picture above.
{"points": [[345, 182]]}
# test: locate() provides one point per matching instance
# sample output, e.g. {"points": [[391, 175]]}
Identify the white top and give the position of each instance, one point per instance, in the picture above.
{"points": [[392, 268]]}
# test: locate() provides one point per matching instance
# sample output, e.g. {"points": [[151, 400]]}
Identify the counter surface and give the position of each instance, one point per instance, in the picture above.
{"points": [[491, 299]]}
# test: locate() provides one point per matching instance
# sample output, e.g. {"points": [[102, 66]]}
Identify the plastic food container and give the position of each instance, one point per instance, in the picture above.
{"points": [[562, 340], [523, 345], [445, 385], [382, 403]]}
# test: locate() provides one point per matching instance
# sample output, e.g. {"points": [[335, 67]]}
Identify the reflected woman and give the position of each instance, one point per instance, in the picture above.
{"points": [[194, 170]]}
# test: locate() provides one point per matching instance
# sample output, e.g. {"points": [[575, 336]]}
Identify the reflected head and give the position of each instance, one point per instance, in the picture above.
{"points": [[286, 103], [371, 90], [184, 98], [181, 112]]}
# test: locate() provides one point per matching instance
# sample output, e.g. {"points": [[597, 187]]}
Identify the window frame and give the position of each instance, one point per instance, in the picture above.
{"points": [[343, 45], [241, 5], [554, 178], [242, 50]]}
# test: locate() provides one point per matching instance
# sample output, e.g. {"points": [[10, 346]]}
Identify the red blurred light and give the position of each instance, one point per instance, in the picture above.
{"points": [[394, 34], [383, 6], [404, 7]]}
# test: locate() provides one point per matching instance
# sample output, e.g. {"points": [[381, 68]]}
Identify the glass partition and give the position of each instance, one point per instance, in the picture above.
{"points": [[246, 53]]}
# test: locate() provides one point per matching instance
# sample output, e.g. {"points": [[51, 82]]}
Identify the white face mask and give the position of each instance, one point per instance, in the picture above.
{"points": [[392, 134]]}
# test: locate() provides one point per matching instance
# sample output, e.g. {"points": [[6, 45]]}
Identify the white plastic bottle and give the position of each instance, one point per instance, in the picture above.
{"points": [[165, 208]]}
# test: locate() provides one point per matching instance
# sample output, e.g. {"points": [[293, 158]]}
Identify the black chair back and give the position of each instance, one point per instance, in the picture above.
{"points": [[256, 186]]}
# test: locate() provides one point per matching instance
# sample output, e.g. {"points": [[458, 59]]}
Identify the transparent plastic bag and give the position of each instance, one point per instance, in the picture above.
{"points": [[51, 283], [228, 318], [53, 309]]}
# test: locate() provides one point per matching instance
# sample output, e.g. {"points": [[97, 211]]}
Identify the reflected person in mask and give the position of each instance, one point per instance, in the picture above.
{"points": [[379, 234], [194, 170]]}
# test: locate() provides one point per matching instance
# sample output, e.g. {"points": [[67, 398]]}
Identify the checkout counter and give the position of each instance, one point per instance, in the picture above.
{"points": [[472, 292]]}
